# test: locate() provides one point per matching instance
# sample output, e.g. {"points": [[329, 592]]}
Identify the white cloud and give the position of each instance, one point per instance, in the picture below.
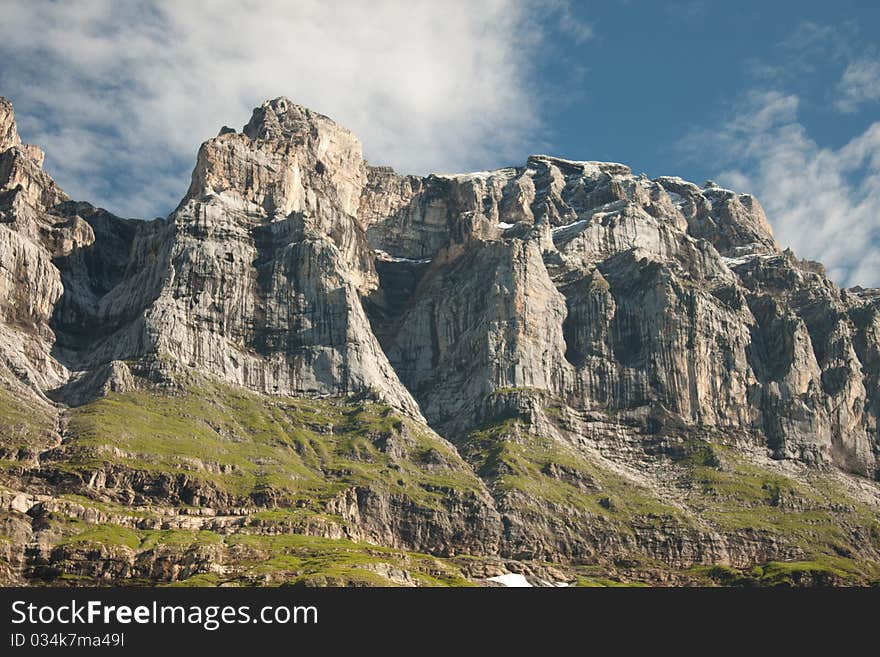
{"points": [[860, 84], [823, 202], [567, 21], [121, 94]]}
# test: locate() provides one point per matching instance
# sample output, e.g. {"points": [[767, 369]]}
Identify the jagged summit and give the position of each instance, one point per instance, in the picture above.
{"points": [[572, 359], [9, 137], [284, 151], [8, 132], [281, 118]]}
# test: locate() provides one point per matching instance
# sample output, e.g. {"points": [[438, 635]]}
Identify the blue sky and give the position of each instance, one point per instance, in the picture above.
{"points": [[781, 99], [657, 71]]}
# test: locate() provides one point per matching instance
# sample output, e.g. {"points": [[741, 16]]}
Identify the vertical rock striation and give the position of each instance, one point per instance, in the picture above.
{"points": [[611, 291], [566, 325]]}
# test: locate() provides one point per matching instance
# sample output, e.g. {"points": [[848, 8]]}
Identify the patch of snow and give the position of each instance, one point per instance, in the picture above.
{"points": [[511, 580], [578, 223], [711, 191], [506, 172], [677, 199], [570, 231], [675, 179], [552, 585], [420, 261], [752, 248], [382, 255], [741, 260], [606, 209], [503, 225], [584, 163]]}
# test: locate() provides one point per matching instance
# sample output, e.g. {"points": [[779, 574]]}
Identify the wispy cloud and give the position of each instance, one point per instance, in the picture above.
{"points": [[567, 20], [860, 84], [121, 94], [808, 49], [823, 202]]}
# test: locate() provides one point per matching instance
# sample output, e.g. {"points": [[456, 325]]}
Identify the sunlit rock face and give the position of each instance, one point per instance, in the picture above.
{"points": [[621, 294], [293, 266], [559, 361]]}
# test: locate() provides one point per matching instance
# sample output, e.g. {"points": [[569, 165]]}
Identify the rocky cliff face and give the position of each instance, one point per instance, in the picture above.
{"points": [[560, 362], [618, 293]]}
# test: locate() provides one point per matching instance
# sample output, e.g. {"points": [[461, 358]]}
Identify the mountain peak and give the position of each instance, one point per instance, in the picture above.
{"points": [[9, 137], [281, 118], [283, 152], [8, 131]]}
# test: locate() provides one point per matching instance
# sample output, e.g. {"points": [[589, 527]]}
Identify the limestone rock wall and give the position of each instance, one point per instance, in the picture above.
{"points": [[292, 266]]}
